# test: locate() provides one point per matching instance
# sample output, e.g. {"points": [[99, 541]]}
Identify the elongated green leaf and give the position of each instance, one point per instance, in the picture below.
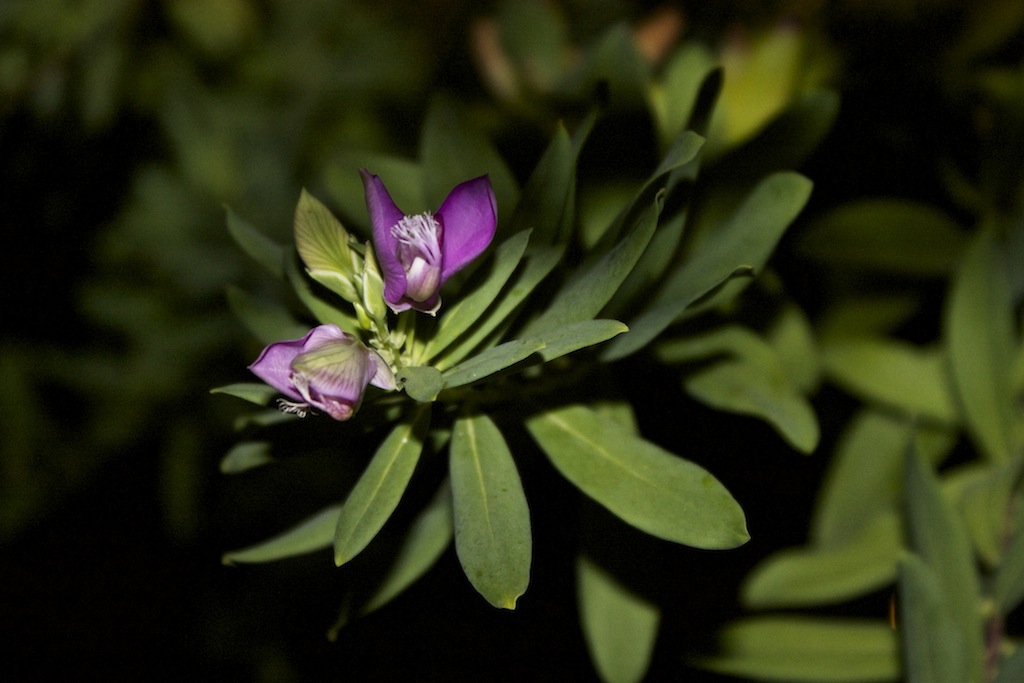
{"points": [[268, 321], [461, 317], [938, 538], [491, 361], [786, 141], [535, 37], [244, 456], [648, 487], [323, 311], [679, 163], [894, 374], [614, 61], [547, 205], [674, 99], [980, 338], [594, 283], [793, 649], [314, 533], [747, 238], [558, 343], [863, 478], [420, 383], [620, 627], [261, 248], [380, 488], [427, 538], [792, 338], [454, 151], [818, 576], [403, 178], [492, 520], [755, 383], [746, 388], [1011, 669], [934, 647], [535, 267], [1008, 588], [253, 392], [981, 493], [865, 316], [887, 235]]}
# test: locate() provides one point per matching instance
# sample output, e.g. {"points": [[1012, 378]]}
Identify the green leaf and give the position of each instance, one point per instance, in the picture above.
{"points": [[266, 320], [593, 284], [261, 248], [323, 311], [454, 151], [747, 388], [752, 382], [661, 253], [646, 486], [245, 456], [492, 520], [679, 163], [614, 61], [981, 344], [894, 374], [889, 235], [620, 627], [1008, 586], [253, 392], [674, 99], [981, 493], [323, 244], [535, 267], [863, 479], [785, 142], [420, 383], [934, 647], [535, 36], [936, 535], [865, 316], [492, 360], [1011, 669], [380, 488], [797, 648], [746, 238], [817, 576], [428, 536], [403, 178], [560, 342], [314, 533], [792, 338], [483, 294], [547, 205]]}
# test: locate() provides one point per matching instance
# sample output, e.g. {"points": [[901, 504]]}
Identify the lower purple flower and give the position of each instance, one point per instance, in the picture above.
{"points": [[326, 370], [419, 253]]}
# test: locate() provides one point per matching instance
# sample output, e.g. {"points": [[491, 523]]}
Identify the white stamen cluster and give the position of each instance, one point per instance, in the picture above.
{"points": [[418, 238]]}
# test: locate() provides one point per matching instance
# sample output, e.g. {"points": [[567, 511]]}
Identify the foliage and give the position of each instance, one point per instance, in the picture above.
{"points": [[655, 227]]}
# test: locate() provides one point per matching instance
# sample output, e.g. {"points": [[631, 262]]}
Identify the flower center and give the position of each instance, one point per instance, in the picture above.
{"points": [[419, 251]]}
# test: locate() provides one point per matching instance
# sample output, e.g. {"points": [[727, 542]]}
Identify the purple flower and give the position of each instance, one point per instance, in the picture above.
{"points": [[419, 253], [326, 370]]}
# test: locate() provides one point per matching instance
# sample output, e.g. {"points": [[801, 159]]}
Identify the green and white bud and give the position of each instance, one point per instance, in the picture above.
{"points": [[373, 289], [325, 247]]}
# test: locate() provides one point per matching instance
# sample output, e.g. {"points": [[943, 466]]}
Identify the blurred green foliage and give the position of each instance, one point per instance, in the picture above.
{"points": [[907, 301]]}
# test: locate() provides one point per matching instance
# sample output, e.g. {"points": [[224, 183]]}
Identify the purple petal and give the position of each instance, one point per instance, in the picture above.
{"points": [[469, 215], [274, 365], [383, 216], [383, 378]]}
